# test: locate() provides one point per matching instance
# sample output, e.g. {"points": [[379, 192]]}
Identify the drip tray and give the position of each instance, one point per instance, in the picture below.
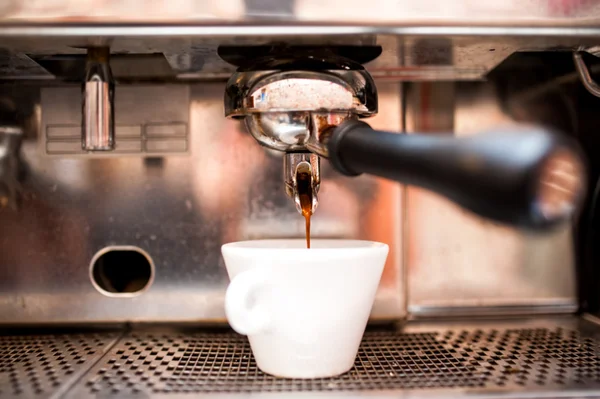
{"points": [[551, 357], [47, 365]]}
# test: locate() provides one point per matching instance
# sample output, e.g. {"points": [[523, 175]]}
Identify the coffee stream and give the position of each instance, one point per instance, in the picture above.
{"points": [[305, 195]]}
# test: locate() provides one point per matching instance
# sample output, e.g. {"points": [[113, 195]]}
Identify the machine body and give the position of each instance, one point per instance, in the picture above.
{"points": [[461, 134]]}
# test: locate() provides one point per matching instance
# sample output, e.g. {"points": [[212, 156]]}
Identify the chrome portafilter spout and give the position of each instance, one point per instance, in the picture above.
{"points": [[302, 176]]}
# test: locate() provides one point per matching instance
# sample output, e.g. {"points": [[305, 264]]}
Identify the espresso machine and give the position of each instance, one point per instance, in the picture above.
{"points": [[136, 138]]}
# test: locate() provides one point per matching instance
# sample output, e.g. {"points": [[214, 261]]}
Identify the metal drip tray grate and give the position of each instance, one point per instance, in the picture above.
{"points": [[541, 357], [510, 359], [41, 365]]}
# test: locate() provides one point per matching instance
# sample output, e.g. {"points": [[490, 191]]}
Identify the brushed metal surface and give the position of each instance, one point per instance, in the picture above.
{"points": [[458, 263], [424, 40], [178, 208], [410, 52], [149, 119], [379, 11]]}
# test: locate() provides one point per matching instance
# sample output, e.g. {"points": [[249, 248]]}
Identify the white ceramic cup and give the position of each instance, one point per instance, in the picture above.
{"points": [[304, 310]]}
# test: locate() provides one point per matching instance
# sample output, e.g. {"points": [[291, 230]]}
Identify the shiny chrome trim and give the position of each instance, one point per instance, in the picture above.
{"points": [[591, 318], [551, 307], [11, 130], [95, 30]]}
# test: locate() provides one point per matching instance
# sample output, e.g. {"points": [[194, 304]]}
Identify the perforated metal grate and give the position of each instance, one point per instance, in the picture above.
{"points": [[40, 365], [147, 364], [222, 362]]}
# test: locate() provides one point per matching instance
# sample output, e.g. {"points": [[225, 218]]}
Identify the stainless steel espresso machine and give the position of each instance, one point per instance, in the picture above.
{"points": [[137, 137]]}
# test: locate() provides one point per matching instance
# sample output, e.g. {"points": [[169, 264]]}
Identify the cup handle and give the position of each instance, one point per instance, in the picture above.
{"points": [[245, 317]]}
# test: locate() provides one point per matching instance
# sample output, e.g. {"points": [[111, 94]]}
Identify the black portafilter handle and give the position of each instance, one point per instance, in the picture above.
{"points": [[529, 178]]}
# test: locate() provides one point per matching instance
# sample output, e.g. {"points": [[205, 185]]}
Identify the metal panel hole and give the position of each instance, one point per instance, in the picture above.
{"points": [[122, 271]]}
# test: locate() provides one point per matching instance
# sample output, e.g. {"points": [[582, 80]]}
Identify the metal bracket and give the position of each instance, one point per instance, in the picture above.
{"points": [[584, 74]]}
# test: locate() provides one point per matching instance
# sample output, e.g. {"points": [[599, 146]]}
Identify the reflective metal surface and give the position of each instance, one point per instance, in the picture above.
{"points": [[178, 207], [290, 110], [294, 130], [295, 163], [98, 124], [460, 264], [272, 90]]}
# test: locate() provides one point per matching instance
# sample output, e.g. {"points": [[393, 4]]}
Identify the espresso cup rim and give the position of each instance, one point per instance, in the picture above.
{"points": [[249, 244]]}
